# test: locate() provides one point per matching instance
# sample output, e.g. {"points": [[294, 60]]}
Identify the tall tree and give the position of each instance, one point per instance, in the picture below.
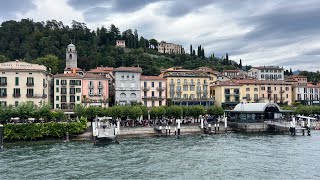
{"points": [[240, 64], [191, 49]]}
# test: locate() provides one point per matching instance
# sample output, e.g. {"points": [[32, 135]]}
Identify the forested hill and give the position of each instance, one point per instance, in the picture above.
{"points": [[45, 43]]}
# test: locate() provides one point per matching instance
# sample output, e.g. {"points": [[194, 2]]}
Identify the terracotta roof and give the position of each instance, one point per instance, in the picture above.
{"points": [[74, 75], [254, 81], [296, 76], [313, 85], [231, 71], [226, 83], [101, 70], [128, 69], [95, 76], [151, 78]]}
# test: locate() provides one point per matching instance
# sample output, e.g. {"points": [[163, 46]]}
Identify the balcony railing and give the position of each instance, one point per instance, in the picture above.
{"points": [[145, 88], [63, 92], [3, 84], [29, 95], [161, 88], [16, 95], [29, 84]]}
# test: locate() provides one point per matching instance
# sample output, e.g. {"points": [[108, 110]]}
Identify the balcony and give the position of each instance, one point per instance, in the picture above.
{"points": [[29, 95], [3, 95], [72, 92], [63, 92], [16, 95], [3, 84], [30, 84], [145, 88], [269, 91], [91, 86], [161, 88]]}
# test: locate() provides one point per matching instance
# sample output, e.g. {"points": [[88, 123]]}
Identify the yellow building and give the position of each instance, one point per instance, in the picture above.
{"points": [[188, 87], [228, 93]]}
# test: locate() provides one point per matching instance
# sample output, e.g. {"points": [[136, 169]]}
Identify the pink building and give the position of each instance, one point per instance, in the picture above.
{"points": [[153, 91], [95, 90]]}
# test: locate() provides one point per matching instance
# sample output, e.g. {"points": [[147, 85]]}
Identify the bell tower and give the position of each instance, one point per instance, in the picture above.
{"points": [[71, 56]]}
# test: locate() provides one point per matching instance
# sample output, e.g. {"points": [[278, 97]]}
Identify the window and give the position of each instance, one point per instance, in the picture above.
{"points": [[57, 106], [275, 88], [152, 93], [17, 81], [57, 83], [3, 81], [185, 96], [160, 84], [255, 89], [72, 90], [63, 82], [78, 90], [152, 103], [185, 88], [262, 76], [16, 103], [57, 98], [263, 88], [152, 84], [247, 89], [160, 103], [63, 98], [3, 103], [70, 56], [191, 88], [287, 88], [99, 92], [90, 92], [128, 76], [132, 76], [255, 97], [63, 90], [133, 85], [178, 82], [57, 89], [30, 81], [3, 92], [122, 76], [29, 92], [16, 92]]}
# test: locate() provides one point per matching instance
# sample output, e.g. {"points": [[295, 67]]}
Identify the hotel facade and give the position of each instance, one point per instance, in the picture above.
{"points": [[153, 91]]}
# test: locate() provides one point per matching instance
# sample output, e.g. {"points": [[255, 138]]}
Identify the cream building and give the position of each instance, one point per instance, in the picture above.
{"points": [[67, 91], [267, 73], [121, 43], [170, 48], [21, 81]]}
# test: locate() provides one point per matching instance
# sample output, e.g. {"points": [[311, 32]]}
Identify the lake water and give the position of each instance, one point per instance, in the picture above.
{"points": [[232, 156]]}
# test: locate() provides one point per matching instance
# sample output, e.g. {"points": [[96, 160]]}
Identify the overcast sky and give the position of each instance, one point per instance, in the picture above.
{"points": [[260, 32]]}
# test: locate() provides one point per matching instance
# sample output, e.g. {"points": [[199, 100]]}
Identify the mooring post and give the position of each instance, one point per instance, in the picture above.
{"points": [[215, 128], [166, 130], [178, 127], [175, 131], [225, 124], [309, 127], [1, 136], [202, 128], [218, 127], [209, 128], [67, 137], [169, 130]]}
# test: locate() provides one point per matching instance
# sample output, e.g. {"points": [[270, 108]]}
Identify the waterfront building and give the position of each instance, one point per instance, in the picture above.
{"points": [[255, 113], [153, 91], [188, 87], [121, 43], [298, 80], [170, 48], [95, 90], [67, 91], [226, 93], [21, 82], [267, 73], [127, 85], [231, 73], [308, 94]]}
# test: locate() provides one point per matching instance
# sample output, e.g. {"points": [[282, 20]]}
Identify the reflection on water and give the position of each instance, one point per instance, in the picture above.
{"points": [[233, 156]]}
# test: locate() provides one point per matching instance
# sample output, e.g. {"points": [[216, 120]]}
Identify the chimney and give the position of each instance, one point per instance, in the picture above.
{"points": [[73, 70]]}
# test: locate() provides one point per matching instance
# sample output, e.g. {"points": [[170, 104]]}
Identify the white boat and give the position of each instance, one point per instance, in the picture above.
{"points": [[104, 131]]}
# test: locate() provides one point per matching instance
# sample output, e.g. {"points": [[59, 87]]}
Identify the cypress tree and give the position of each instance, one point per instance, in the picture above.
{"points": [[202, 53], [194, 52], [191, 49], [240, 64]]}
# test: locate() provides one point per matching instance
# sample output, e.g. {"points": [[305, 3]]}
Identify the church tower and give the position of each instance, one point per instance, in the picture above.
{"points": [[71, 56]]}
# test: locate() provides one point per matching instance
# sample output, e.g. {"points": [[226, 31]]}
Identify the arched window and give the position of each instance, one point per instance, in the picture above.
{"points": [[70, 56]]}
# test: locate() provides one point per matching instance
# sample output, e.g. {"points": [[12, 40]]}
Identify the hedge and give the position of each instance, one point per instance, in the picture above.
{"points": [[38, 131]]}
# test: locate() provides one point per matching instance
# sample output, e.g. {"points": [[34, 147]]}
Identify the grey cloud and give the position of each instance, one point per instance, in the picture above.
{"points": [[8, 9], [95, 13]]}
